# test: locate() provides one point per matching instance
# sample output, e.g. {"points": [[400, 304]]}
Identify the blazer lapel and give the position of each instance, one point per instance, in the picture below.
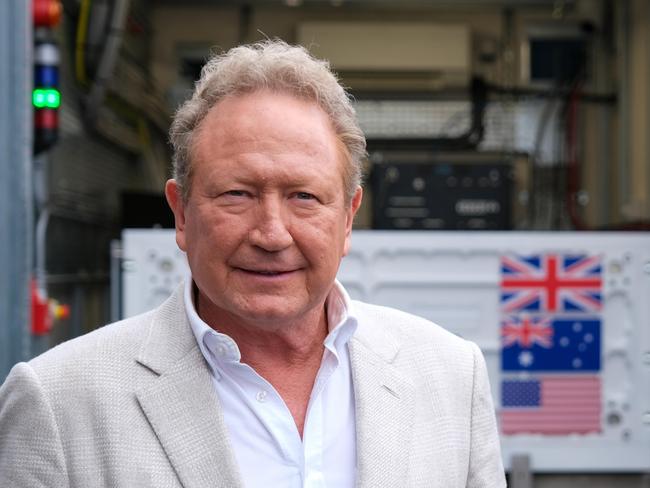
{"points": [[384, 401], [182, 405]]}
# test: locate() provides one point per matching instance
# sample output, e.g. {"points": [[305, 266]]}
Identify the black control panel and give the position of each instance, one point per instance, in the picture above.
{"points": [[430, 196]]}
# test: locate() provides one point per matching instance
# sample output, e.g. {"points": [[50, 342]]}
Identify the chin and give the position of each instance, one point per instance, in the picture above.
{"points": [[273, 314], [269, 315]]}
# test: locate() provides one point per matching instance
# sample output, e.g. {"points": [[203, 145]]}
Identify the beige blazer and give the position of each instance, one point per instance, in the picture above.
{"points": [[132, 405]]}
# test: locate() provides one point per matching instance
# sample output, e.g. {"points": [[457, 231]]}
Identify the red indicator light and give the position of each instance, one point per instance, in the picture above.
{"points": [[46, 119], [47, 13]]}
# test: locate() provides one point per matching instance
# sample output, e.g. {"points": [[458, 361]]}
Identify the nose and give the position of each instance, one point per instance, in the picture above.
{"points": [[269, 231]]}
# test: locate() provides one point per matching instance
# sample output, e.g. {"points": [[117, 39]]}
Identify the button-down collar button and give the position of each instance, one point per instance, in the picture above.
{"points": [[221, 350], [261, 396]]}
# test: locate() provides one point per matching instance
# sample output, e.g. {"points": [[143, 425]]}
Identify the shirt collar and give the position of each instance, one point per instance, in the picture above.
{"points": [[341, 321], [213, 345]]}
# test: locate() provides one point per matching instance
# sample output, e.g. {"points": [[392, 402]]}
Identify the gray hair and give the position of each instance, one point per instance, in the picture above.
{"points": [[274, 65]]}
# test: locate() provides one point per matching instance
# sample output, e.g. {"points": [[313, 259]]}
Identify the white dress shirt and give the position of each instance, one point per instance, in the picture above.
{"points": [[264, 436]]}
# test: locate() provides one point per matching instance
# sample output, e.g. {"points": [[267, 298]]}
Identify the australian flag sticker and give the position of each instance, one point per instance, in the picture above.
{"points": [[553, 344]]}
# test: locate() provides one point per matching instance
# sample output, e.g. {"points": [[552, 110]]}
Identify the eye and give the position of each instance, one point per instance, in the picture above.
{"points": [[234, 197], [303, 195], [236, 193]]}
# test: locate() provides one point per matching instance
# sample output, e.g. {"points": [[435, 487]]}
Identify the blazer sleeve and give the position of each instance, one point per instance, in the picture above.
{"points": [[31, 451], [485, 463]]}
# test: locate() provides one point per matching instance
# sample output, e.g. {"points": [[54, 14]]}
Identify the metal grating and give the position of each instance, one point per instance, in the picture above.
{"points": [[509, 127]]}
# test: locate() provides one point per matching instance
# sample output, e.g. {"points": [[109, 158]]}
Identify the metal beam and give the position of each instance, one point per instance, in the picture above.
{"points": [[520, 474], [16, 207], [623, 68]]}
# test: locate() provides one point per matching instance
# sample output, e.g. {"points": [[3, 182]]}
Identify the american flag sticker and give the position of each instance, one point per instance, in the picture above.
{"points": [[551, 405]]}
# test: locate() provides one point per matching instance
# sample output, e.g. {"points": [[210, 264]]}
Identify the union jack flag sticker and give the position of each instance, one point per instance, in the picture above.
{"points": [[551, 283], [527, 331]]}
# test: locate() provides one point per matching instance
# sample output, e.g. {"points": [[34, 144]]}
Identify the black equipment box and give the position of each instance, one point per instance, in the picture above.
{"points": [[444, 196]]}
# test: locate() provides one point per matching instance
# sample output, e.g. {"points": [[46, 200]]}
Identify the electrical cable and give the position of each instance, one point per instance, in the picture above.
{"points": [[573, 163], [80, 43], [550, 181], [568, 91], [537, 186], [108, 58], [561, 93]]}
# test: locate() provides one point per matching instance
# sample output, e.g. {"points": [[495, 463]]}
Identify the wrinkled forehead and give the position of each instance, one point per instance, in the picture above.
{"points": [[269, 123], [244, 124], [267, 117]]}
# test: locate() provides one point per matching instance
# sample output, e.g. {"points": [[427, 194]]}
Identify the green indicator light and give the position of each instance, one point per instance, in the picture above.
{"points": [[38, 98], [46, 98], [53, 98]]}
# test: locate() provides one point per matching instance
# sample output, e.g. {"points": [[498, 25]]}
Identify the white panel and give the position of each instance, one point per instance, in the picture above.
{"points": [[152, 267], [395, 46], [453, 278]]}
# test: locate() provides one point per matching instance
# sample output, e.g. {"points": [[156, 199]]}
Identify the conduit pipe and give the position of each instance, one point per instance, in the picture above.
{"points": [[108, 59]]}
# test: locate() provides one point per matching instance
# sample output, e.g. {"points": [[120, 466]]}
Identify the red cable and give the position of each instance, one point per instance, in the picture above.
{"points": [[573, 173]]}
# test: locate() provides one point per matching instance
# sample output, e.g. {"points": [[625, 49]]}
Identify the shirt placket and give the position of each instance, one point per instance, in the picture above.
{"points": [[272, 412], [314, 431]]}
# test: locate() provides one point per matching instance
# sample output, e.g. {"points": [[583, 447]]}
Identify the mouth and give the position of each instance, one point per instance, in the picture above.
{"points": [[267, 272]]}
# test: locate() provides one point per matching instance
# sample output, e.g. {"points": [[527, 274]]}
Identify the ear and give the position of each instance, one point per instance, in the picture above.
{"points": [[350, 213], [175, 202]]}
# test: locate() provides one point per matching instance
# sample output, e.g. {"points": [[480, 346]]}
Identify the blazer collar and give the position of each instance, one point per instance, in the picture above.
{"points": [[169, 337], [181, 403], [384, 402]]}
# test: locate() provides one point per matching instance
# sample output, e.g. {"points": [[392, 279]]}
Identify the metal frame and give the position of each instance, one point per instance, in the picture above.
{"points": [[16, 216], [623, 45]]}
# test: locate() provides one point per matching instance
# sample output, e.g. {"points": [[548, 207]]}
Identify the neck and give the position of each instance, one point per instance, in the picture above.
{"points": [[288, 354], [263, 345]]}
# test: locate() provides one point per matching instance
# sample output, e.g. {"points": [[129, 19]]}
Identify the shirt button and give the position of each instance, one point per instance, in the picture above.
{"points": [[261, 396], [221, 350]]}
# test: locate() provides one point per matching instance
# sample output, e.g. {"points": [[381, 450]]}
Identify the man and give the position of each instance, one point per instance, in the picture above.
{"points": [[260, 370]]}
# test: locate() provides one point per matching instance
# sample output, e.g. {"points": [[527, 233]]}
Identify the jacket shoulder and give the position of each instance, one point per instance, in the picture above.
{"points": [[423, 350], [407, 328], [109, 343]]}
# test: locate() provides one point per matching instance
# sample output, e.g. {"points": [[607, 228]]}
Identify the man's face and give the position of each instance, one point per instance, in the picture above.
{"points": [[266, 222]]}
